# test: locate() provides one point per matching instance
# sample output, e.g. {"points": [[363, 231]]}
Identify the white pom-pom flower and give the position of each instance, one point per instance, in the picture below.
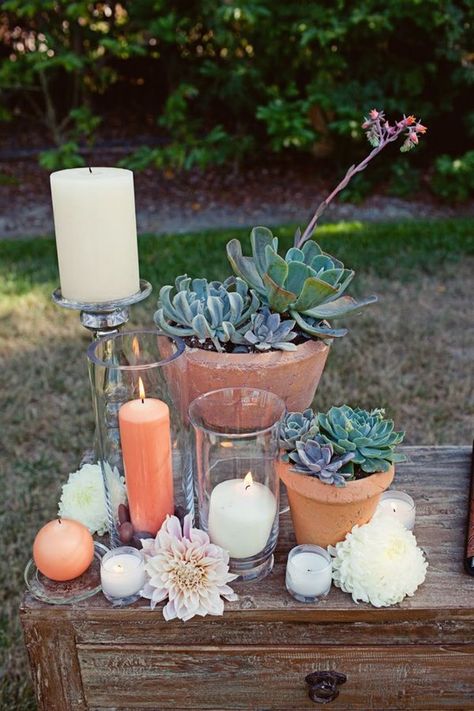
{"points": [[379, 563], [185, 567], [83, 496]]}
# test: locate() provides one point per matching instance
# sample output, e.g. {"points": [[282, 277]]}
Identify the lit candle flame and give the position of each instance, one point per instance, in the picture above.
{"points": [[248, 480], [141, 389], [135, 346], [227, 445]]}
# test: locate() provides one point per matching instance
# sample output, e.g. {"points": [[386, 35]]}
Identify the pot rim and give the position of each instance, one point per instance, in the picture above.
{"points": [[310, 345], [308, 486]]}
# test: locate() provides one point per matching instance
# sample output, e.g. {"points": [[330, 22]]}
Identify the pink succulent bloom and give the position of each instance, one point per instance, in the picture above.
{"points": [[373, 114], [185, 567], [410, 120], [413, 137], [419, 128]]}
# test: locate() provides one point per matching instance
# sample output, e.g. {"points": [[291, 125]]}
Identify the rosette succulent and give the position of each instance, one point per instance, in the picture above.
{"points": [[297, 426], [316, 457], [208, 310], [308, 283], [368, 436], [268, 331]]}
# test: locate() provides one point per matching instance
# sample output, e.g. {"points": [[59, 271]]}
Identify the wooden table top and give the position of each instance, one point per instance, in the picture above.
{"points": [[436, 477]]}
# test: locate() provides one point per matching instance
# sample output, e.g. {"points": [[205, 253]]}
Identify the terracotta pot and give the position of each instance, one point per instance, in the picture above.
{"points": [[292, 375], [323, 514]]}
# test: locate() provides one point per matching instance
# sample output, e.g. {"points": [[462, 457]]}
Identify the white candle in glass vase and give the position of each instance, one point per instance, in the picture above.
{"points": [[241, 516], [96, 234], [399, 505]]}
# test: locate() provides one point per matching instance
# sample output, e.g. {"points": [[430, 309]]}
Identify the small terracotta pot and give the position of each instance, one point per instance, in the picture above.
{"points": [[323, 514], [292, 375]]}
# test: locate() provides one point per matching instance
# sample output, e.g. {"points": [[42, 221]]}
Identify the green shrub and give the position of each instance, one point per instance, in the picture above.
{"points": [[224, 78], [453, 178]]}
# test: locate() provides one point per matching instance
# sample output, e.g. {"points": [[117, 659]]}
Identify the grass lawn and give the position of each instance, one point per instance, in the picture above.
{"points": [[411, 353]]}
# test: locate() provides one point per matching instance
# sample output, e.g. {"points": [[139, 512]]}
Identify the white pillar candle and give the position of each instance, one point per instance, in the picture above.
{"points": [[308, 572], [96, 233], [398, 505], [122, 573], [241, 516]]}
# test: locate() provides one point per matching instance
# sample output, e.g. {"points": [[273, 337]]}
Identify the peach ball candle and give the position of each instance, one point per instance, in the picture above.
{"points": [[63, 549]]}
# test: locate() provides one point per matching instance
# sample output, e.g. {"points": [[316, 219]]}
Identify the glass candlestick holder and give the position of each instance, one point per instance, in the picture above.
{"points": [[139, 389], [236, 437], [106, 317]]}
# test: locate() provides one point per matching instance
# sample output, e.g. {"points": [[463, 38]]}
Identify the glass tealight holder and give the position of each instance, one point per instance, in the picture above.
{"points": [[398, 505], [236, 435], [308, 573], [122, 575], [139, 388]]}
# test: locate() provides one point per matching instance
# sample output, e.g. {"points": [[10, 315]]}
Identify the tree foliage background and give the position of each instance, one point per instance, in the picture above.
{"points": [[223, 81]]}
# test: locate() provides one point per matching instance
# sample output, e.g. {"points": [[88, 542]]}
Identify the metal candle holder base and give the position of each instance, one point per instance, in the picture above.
{"points": [[106, 317]]}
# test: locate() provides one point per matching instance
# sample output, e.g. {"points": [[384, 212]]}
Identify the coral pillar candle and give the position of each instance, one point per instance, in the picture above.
{"points": [[63, 549], [146, 448], [241, 516], [96, 234]]}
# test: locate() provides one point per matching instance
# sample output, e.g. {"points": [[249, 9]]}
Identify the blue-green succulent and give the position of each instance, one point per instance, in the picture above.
{"points": [[297, 426], [207, 310], [267, 331], [316, 457], [365, 434], [308, 283]]}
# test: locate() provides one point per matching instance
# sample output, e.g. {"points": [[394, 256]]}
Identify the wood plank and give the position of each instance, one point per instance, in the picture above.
{"points": [[53, 659], [237, 677]]}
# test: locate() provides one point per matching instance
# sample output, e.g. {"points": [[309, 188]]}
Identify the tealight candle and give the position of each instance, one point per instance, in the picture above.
{"points": [[63, 549], [398, 505], [122, 575], [308, 573]]}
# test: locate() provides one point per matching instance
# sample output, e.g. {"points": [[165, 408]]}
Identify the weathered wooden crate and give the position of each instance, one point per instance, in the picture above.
{"points": [[419, 655]]}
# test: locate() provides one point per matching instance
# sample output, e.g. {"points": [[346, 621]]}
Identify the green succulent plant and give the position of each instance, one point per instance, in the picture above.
{"points": [[368, 435], [308, 283], [267, 331], [208, 310]]}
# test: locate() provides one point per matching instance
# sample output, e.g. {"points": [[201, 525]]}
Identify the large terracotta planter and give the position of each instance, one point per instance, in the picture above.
{"points": [[292, 375], [323, 514]]}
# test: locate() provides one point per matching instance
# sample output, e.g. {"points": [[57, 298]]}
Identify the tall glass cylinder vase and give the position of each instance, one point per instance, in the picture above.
{"points": [[139, 387], [236, 435]]}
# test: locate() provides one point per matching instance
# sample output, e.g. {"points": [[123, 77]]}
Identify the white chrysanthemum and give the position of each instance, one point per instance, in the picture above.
{"points": [[379, 562], [83, 497]]}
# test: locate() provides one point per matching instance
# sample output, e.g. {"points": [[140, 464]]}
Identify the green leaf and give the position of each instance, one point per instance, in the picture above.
{"points": [[260, 239], [318, 331], [244, 266], [339, 307], [314, 292], [298, 272], [277, 268], [278, 298]]}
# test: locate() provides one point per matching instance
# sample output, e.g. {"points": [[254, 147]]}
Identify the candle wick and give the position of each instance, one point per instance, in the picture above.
{"points": [[143, 400], [59, 519], [90, 169], [248, 486]]}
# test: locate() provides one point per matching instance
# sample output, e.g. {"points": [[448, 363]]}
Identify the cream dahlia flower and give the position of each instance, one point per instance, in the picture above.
{"points": [[379, 563], [189, 570], [83, 496]]}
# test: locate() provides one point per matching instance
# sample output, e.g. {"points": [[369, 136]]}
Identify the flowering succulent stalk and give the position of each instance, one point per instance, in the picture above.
{"points": [[379, 133]]}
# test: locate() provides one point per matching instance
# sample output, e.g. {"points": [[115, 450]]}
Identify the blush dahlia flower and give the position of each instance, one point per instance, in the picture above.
{"points": [[378, 562], [185, 567]]}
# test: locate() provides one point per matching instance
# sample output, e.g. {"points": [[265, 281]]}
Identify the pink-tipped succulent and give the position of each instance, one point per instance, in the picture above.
{"points": [[185, 567], [380, 133]]}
